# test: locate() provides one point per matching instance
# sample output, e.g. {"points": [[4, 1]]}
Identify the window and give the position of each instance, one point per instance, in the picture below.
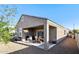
{"points": [[41, 33]]}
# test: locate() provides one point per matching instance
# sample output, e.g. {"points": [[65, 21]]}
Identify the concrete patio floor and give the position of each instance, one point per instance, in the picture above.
{"points": [[67, 46]]}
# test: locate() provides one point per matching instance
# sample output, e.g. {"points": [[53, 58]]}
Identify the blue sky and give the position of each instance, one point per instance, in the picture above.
{"points": [[63, 14]]}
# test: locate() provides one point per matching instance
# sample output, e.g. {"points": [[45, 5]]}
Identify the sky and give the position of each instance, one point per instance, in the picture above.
{"points": [[66, 15]]}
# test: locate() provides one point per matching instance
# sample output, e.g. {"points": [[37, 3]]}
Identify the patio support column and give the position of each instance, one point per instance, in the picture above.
{"points": [[46, 35], [23, 36]]}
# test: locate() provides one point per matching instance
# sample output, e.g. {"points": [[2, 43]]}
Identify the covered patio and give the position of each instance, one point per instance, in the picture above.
{"points": [[42, 36], [38, 31]]}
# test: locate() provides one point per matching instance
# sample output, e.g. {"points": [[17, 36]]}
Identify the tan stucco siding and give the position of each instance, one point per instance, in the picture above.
{"points": [[52, 34], [52, 23], [60, 31], [28, 21]]}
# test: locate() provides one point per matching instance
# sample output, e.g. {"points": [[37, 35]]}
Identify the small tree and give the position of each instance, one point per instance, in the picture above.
{"points": [[75, 31], [6, 17], [4, 33]]}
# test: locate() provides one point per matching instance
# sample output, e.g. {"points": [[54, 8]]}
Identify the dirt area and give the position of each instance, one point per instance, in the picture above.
{"points": [[67, 46], [10, 47]]}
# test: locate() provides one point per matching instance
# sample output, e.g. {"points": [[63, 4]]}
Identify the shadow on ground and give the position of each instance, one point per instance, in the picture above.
{"points": [[67, 46]]}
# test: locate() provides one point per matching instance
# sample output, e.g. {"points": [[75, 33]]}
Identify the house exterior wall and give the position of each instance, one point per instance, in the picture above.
{"points": [[60, 31], [49, 34], [28, 22], [52, 34]]}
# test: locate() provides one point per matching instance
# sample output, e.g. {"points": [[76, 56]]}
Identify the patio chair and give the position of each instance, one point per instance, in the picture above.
{"points": [[30, 38], [40, 39]]}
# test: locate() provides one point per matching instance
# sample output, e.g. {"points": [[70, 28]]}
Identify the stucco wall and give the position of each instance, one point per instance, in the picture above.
{"points": [[28, 21], [59, 30], [60, 33], [77, 39], [52, 34]]}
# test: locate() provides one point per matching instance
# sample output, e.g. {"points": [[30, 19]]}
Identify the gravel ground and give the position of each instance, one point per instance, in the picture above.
{"points": [[10, 47]]}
